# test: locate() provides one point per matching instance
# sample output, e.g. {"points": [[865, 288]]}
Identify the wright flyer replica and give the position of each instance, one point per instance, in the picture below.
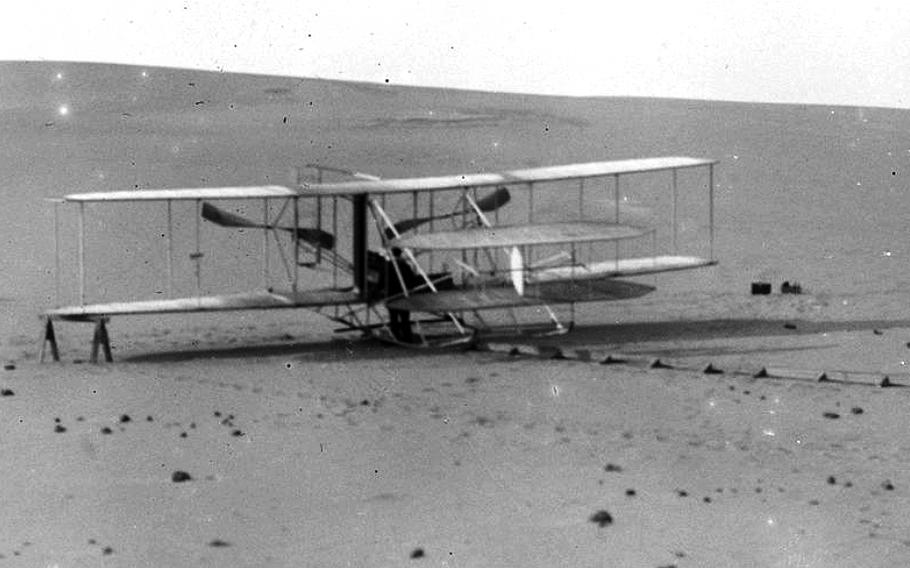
{"points": [[423, 261]]}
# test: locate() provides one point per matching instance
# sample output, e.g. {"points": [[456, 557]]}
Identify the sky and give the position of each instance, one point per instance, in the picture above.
{"points": [[823, 52]]}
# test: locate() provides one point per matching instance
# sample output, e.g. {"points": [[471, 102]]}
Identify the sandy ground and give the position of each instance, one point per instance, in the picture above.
{"points": [[304, 448], [352, 454]]}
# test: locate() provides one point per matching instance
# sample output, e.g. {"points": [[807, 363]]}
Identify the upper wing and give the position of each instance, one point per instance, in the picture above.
{"points": [[529, 175], [520, 235], [250, 192], [367, 184]]}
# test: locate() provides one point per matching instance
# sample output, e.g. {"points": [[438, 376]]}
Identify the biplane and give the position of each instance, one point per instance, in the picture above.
{"points": [[424, 261]]}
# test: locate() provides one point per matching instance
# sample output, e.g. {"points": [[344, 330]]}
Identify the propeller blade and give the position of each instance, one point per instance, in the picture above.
{"points": [[225, 219], [495, 200], [315, 237], [491, 202]]}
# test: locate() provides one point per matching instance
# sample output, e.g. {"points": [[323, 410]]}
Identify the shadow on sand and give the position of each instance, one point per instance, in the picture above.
{"points": [[687, 330], [619, 336], [336, 350]]}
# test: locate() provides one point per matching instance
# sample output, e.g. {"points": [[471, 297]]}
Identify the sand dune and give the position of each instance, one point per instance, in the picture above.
{"points": [[268, 440]]}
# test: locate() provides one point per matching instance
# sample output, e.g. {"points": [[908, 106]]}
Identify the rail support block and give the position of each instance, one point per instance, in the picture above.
{"points": [[49, 337], [101, 339]]}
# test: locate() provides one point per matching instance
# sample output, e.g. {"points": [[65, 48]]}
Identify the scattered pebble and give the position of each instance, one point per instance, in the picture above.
{"points": [[790, 326], [149, 419], [107, 551], [364, 402], [237, 433], [417, 553], [180, 476], [630, 493], [218, 543], [106, 430], [831, 415], [682, 493], [9, 367], [59, 428], [124, 418], [832, 480], [602, 518], [856, 410], [887, 485], [612, 467], [7, 392], [183, 434], [706, 499]]}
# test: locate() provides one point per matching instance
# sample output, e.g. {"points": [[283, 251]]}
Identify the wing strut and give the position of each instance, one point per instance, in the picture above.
{"points": [[516, 264], [410, 255]]}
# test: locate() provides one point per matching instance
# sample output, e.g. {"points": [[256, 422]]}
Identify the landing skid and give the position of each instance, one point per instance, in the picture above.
{"points": [[439, 342]]}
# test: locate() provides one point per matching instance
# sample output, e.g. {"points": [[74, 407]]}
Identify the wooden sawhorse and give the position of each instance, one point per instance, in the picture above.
{"points": [[100, 340]]}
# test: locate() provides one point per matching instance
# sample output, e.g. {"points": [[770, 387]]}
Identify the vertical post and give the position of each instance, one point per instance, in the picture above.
{"points": [[170, 251], [573, 262], [711, 208], [479, 222], [432, 214], [616, 213], [359, 244], [56, 253], [530, 202], [463, 203], [82, 253], [675, 223], [616, 198], [296, 243], [265, 243], [334, 255], [319, 227], [335, 232], [529, 260], [581, 199], [197, 256]]}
